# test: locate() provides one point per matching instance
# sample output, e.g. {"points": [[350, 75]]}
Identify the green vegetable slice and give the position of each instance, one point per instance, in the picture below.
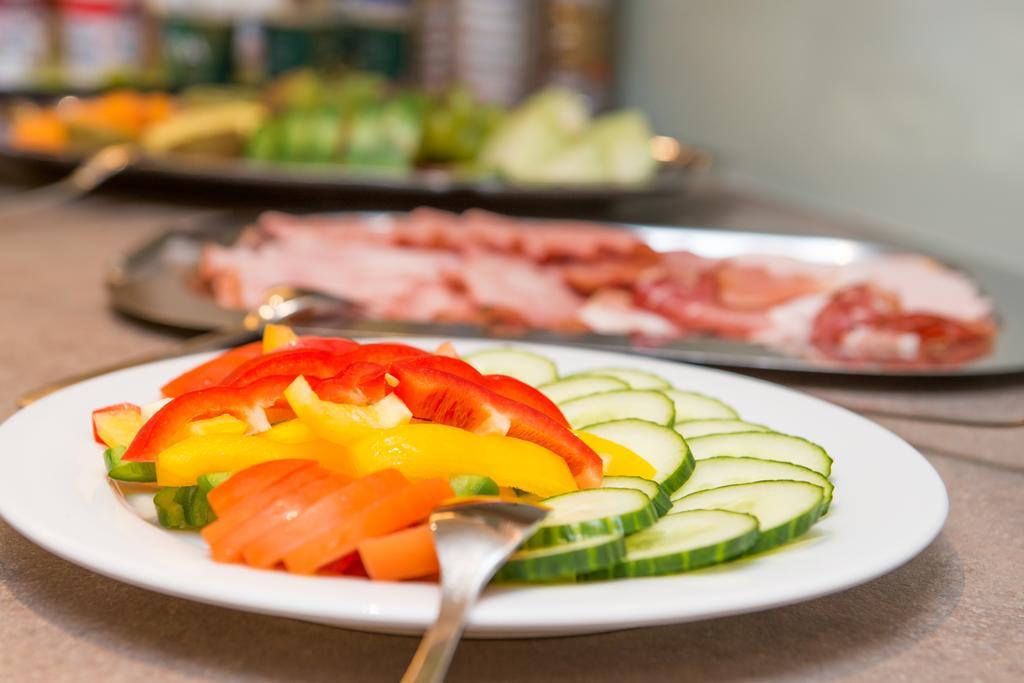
{"points": [[765, 446], [642, 404], [691, 405], [683, 541], [661, 446], [564, 561], [723, 471], [784, 509], [649, 488], [577, 386], [526, 366], [691, 429]]}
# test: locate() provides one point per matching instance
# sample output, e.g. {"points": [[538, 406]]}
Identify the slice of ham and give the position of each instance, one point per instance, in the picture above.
{"points": [[759, 283], [520, 291], [488, 269], [612, 311]]}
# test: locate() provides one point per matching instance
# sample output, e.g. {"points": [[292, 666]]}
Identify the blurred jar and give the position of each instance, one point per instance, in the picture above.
{"points": [[579, 47], [301, 33], [497, 48], [197, 40], [99, 41], [24, 43], [378, 36]]}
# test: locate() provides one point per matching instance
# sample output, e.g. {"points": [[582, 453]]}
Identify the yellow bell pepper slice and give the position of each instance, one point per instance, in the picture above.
{"points": [[432, 450], [618, 460], [182, 463], [222, 424], [342, 423], [277, 337], [290, 431]]}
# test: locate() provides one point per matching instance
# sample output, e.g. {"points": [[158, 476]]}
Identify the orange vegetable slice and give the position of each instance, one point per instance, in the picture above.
{"points": [[234, 518], [280, 511], [406, 554], [250, 481], [390, 513], [271, 548]]}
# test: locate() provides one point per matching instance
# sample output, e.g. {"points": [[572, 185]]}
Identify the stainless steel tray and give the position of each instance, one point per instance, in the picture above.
{"points": [[155, 283], [337, 180]]}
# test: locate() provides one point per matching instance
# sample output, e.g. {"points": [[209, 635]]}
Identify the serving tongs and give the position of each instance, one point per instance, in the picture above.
{"points": [[92, 172]]}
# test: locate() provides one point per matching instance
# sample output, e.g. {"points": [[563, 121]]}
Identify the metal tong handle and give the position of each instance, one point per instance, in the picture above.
{"points": [[86, 177]]}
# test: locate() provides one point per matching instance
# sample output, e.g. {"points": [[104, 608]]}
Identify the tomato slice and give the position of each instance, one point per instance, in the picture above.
{"points": [[250, 481], [213, 372], [401, 508], [521, 392], [271, 548], [245, 403], [447, 399]]}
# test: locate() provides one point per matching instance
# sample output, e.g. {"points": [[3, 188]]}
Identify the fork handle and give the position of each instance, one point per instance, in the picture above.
{"points": [[435, 652]]}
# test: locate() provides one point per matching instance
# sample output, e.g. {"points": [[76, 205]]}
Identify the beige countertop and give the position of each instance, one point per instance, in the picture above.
{"points": [[955, 613]]}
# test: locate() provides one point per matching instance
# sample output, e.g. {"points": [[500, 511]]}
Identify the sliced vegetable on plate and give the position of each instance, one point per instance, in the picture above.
{"points": [[328, 456]]}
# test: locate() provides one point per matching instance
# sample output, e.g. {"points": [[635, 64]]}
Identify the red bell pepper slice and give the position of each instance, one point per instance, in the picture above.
{"points": [[292, 362], [316, 363], [246, 403], [520, 391], [332, 344], [444, 398], [212, 372], [453, 366], [361, 383]]}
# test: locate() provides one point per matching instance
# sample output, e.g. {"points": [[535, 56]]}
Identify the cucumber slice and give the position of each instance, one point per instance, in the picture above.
{"points": [[694, 428], [784, 509], [526, 366], [576, 386], [473, 485], [634, 379], [661, 446], [715, 472], [683, 541], [649, 405], [564, 561], [764, 446], [593, 512], [691, 405], [658, 497], [120, 470]]}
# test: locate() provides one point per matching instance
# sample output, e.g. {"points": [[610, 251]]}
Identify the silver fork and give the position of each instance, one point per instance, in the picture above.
{"points": [[473, 539]]}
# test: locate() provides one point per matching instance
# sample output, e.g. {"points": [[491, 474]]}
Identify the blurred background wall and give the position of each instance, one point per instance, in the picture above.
{"points": [[909, 113]]}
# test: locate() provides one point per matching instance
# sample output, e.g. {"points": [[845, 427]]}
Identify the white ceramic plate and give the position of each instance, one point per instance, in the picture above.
{"points": [[889, 505]]}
